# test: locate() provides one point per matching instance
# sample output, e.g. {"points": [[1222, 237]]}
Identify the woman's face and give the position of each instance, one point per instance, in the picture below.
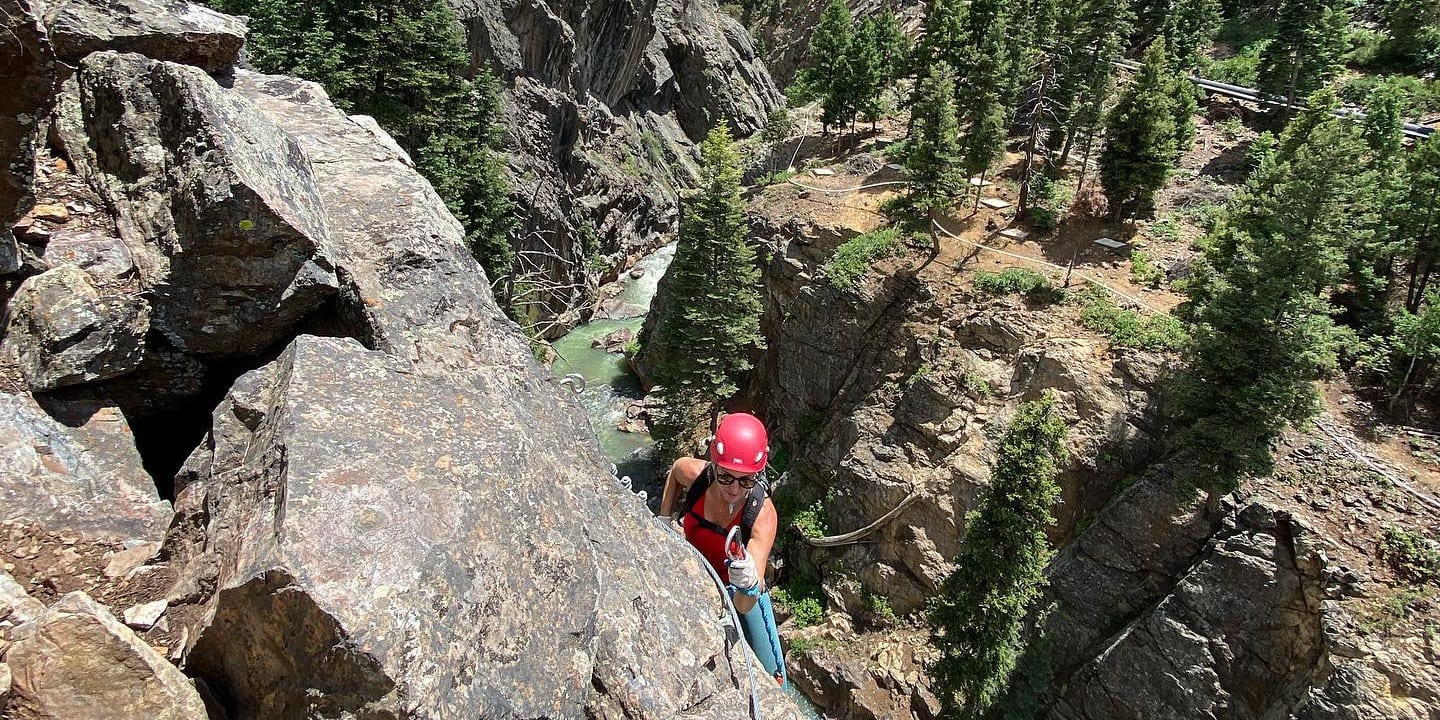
{"points": [[732, 484]]}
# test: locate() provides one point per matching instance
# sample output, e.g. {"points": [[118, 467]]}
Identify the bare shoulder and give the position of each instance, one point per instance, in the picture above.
{"points": [[687, 469]]}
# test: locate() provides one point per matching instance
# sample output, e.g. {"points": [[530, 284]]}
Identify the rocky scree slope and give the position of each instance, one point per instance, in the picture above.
{"points": [[222, 288], [1264, 608], [604, 103]]}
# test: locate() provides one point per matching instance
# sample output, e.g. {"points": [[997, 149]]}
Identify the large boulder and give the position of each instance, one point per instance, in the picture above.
{"points": [[77, 662], [172, 30], [87, 479], [1239, 635], [499, 578], [63, 331], [16, 605], [221, 203], [409, 285]]}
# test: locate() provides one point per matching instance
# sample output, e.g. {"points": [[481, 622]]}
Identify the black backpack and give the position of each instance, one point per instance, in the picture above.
{"points": [[754, 502]]}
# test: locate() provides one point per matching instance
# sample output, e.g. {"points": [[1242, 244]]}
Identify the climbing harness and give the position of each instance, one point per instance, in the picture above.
{"points": [[733, 631]]}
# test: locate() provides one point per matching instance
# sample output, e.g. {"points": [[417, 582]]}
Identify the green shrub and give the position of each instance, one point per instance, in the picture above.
{"points": [[852, 259], [775, 178], [802, 599], [1145, 272], [1042, 218], [977, 385], [1128, 328], [880, 608], [1412, 555], [812, 521], [1238, 69], [895, 152], [1009, 281], [1230, 127], [1023, 281]]}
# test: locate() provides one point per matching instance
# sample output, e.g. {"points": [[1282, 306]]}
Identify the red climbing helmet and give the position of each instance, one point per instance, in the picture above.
{"points": [[740, 444]]}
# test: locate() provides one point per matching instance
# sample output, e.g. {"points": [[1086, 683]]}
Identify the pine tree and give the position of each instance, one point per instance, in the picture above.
{"points": [[1186, 99], [1257, 307], [1140, 135], [867, 72], [828, 74], [712, 318], [1371, 259], [1414, 27], [778, 127], [893, 47], [1090, 35], [933, 161], [1418, 220], [1305, 51], [943, 39], [999, 572], [1190, 27], [980, 97]]}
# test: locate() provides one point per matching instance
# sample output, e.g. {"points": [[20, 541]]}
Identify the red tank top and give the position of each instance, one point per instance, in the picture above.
{"points": [[710, 543]]}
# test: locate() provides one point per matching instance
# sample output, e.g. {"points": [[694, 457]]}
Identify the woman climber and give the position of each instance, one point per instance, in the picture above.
{"points": [[728, 495]]}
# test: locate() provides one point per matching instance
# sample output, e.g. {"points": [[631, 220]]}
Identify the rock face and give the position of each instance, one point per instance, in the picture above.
{"points": [[27, 71], [173, 30], [894, 392], [1241, 628], [223, 202], [601, 98], [76, 662], [384, 409], [64, 332], [477, 581], [87, 479]]}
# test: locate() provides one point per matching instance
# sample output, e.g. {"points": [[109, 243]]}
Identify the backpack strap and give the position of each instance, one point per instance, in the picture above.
{"points": [[754, 502]]}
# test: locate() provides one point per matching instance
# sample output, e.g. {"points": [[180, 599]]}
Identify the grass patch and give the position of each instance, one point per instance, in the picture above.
{"points": [[852, 259], [1412, 555], [1018, 281], [1238, 69], [1145, 272], [775, 178], [1128, 328], [978, 386], [1396, 609], [802, 599]]}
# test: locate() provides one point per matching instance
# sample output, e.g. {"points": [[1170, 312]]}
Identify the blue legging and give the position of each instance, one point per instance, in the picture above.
{"points": [[764, 638]]}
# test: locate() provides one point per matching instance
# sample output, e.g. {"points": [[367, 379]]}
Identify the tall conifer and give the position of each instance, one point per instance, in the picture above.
{"points": [[1140, 135], [1305, 51], [711, 320], [979, 612], [933, 161], [1258, 308]]}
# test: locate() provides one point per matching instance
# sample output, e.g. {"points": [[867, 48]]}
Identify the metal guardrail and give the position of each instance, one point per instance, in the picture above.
{"points": [[1414, 131]]}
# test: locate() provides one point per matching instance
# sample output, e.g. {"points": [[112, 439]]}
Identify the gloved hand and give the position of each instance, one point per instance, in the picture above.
{"points": [[743, 575]]}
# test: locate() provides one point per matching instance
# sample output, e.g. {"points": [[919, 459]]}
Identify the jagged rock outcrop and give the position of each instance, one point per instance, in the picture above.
{"points": [[601, 99], [87, 479], [65, 332], [385, 409], [892, 391], [1238, 635], [222, 201], [174, 30], [27, 71], [77, 662], [495, 579]]}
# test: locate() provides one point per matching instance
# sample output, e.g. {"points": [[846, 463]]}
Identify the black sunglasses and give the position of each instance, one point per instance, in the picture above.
{"points": [[746, 481]]}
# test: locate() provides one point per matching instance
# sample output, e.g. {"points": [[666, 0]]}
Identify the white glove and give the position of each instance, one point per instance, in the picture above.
{"points": [[742, 574]]}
